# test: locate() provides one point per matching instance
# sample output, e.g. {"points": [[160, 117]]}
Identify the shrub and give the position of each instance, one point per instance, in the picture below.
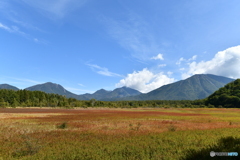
{"points": [[62, 126], [172, 128]]}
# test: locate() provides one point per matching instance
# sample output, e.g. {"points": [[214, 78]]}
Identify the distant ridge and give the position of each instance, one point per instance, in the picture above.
{"points": [[101, 94], [7, 86], [121, 92], [198, 86], [112, 95]]}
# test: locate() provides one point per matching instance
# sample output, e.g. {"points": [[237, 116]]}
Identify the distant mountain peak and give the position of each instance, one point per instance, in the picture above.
{"points": [[51, 83], [50, 87], [7, 86], [198, 86], [102, 90]]}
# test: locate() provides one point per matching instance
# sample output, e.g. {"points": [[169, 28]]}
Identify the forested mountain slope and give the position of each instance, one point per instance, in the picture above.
{"points": [[227, 96], [196, 87]]}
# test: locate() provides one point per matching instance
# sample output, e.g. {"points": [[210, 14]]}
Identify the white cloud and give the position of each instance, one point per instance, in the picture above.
{"points": [[133, 34], [40, 41], [103, 71], [8, 9], [162, 65], [5, 27], [224, 63], [159, 56], [22, 80], [16, 30], [180, 61], [58, 8], [28, 80], [145, 80], [12, 29], [193, 58], [81, 85]]}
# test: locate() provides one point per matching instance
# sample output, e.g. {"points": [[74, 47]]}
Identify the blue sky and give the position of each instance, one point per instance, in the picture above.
{"points": [[86, 45]]}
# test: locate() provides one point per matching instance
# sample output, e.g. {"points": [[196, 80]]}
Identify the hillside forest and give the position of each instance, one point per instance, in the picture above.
{"points": [[25, 98]]}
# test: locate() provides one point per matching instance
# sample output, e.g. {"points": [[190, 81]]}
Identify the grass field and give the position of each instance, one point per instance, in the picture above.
{"points": [[116, 134]]}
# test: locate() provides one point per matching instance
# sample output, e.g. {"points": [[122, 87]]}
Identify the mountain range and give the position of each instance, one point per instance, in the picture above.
{"points": [[101, 94], [116, 94], [196, 87]]}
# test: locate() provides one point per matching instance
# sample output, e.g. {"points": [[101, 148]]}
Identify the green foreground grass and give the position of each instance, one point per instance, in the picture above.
{"points": [[170, 145]]}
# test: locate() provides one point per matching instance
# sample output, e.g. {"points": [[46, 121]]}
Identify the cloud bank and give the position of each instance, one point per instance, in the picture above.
{"points": [[145, 80], [224, 63]]}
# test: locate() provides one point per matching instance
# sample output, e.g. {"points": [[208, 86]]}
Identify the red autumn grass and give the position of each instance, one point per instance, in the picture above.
{"points": [[116, 121]]}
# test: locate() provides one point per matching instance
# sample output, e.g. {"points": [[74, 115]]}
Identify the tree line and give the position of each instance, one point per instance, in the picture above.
{"points": [[228, 96], [25, 98]]}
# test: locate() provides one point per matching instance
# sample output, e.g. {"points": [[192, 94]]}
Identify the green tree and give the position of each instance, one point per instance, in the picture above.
{"points": [[92, 102], [2, 103], [15, 103]]}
